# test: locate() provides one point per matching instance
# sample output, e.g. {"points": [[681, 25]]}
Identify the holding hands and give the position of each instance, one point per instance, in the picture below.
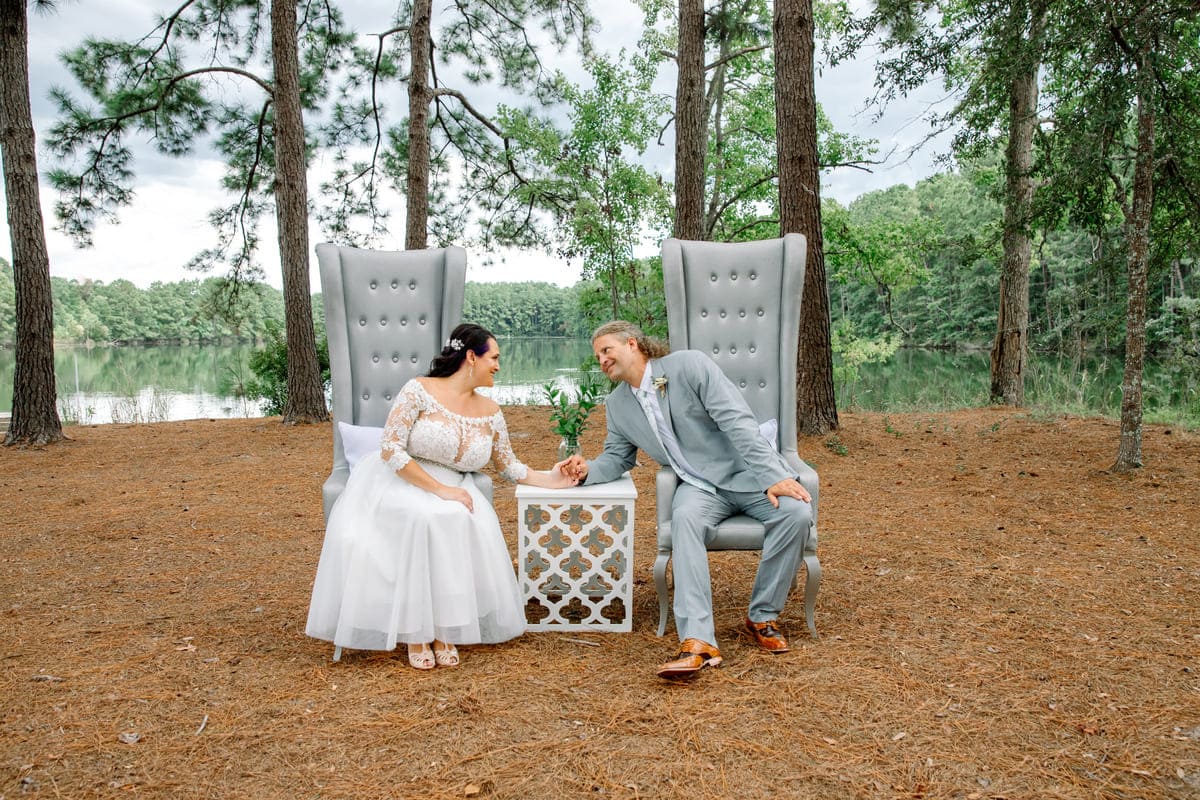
{"points": [[574, 467], [560, 477]]}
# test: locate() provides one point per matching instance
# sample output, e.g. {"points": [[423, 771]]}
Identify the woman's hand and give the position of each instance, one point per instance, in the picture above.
{"points": [[559, 478], [456, 493]]}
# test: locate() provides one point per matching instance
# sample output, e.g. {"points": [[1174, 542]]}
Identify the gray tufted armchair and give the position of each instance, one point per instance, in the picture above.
{"points": [[387, 314], [740, 303]]}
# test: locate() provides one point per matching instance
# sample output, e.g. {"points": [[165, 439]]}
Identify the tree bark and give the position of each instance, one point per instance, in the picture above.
{"points": [[800, 208], [34, 412], [419, 97], [305, 393], [1129, 451], [1011, 346], [691, 126]]}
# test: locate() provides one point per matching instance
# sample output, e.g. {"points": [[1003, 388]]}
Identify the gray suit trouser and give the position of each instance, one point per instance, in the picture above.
{"points": [[694, 516]]}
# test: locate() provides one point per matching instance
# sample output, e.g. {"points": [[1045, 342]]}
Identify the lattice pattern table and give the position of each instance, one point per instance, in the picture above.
{"points": [[576, 556]]}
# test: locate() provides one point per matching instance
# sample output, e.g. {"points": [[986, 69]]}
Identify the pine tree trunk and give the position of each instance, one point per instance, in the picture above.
{"points": [[800, 208], [34, 413], [691, 127], [305, 394], [1011, 346], [1129, 451], [419, 97]]}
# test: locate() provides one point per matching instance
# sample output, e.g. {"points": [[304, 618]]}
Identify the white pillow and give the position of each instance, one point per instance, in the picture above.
{"points": [[359, 441], [770, 432]]}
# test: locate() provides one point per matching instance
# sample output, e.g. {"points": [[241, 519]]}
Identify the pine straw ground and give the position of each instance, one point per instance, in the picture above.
{"points": [[1001, 617]]}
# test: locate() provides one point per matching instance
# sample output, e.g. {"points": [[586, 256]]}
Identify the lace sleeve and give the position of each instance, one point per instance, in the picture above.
{"points": [[406, 409], [502, 452]]}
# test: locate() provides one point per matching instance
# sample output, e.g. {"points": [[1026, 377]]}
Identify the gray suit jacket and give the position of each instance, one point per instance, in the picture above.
{"points": [[717, 432]]}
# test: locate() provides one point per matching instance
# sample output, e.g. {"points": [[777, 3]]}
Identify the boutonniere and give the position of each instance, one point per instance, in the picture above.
{"points": [[660, 383]]}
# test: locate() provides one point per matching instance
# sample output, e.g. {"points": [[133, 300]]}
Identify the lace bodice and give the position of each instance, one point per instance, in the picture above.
{"points": [[418, 426]]}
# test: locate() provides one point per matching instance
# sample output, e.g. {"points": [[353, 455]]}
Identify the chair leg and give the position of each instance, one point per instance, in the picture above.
{"points": [[660, 585], [337, 653], [811, 585]]}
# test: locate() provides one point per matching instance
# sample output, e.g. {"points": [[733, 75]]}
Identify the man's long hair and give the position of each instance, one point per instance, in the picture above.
{"points": [[651, 348]]}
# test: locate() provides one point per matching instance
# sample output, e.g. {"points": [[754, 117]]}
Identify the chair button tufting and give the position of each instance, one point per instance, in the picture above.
{"points": [[375, 358], [374, 285], [753, 349], [403, 321], [362, 321], [421, 320], [762, 384], [366, 395], [413, 359], [733, 276], [704, 313], [743, 384], [760, 312], [383, 322], [387, 395], [395, 358], [722, 315], [716, 350], [733, 349], [713, 278], [395, 283], [753, 275], [412, 285]]}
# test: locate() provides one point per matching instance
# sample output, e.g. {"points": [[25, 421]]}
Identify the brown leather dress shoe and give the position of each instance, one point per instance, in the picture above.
{"points": [[767, 636], [694, 655]]}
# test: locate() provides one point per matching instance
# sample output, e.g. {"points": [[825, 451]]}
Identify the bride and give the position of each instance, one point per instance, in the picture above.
{"points": [[413, 552]]}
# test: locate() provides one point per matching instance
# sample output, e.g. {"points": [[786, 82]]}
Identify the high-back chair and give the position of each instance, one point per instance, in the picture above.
{"points": [[740, 304], [387, 315]]}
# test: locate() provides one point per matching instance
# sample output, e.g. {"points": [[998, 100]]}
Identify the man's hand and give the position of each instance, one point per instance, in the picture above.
{"points": [[560, 478], [574, 467], [788, 487]]}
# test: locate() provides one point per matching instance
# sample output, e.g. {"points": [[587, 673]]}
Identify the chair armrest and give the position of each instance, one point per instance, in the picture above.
{"points": [[806, 475], [333, 487], [665, 483]]}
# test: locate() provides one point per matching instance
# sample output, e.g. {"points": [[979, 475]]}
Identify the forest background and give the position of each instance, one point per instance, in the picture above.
{"points": [[1071, 181]]}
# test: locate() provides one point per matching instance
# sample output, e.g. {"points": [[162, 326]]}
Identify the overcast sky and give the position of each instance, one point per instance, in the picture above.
{"points": [[167, 223]]}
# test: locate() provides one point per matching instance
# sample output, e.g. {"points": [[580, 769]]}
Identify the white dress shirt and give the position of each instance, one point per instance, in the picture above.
{"points": [[666, 437]]}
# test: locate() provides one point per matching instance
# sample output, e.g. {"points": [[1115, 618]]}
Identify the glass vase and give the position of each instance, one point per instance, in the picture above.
{"points": [[569, 446]]}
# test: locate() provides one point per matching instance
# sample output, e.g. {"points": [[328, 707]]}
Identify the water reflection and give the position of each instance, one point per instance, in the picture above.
{"points": [[156, 383], [137, 384]]}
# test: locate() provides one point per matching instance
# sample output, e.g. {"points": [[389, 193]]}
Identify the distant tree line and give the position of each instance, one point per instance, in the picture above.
{"points": [[524, 309], [921, 262], [200, 311]]}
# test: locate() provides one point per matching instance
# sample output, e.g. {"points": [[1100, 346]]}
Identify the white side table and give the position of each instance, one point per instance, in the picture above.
{"points": [[576, 556]]}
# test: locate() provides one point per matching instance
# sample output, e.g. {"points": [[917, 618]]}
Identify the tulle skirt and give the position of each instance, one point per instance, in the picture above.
{"points": [[401, 565]]}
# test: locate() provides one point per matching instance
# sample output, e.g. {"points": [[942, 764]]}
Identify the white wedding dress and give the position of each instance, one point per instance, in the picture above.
{"points": [[401, 565]]}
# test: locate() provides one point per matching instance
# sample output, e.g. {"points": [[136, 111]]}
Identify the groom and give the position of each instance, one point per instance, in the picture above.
{"points": [[683, 412]]}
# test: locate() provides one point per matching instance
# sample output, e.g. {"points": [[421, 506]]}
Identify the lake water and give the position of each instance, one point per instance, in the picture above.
{"points": [[149, 384], [145, 384]]}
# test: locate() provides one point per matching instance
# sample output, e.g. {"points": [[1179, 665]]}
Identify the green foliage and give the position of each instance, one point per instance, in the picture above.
{"points": [[569, 412], [834, 445], [524, 309], [1176, 330], [854, 351], [269, 365], [607, 203], [119, 312]]}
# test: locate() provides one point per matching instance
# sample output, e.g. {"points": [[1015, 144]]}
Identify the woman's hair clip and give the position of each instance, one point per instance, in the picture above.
{"points": [[454, 344]]}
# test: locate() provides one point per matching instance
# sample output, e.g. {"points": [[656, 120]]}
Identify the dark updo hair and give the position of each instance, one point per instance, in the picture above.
{"points": [[466, 336]]}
